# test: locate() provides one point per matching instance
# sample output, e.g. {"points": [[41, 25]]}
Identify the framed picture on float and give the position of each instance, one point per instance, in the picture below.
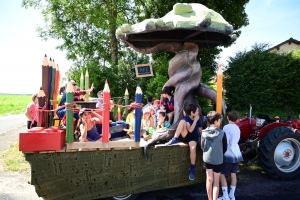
{"points": [[143, 70]]}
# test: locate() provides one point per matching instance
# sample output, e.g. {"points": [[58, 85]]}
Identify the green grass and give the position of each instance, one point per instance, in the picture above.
{"points": [[14, 160], [13, 104], [253, 168]]}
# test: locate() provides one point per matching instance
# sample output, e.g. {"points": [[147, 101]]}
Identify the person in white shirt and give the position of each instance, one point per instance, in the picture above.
{"points": [[149, 103], [232, 156]]}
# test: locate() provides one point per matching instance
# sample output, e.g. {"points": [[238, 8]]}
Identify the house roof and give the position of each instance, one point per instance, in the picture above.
{"points": [[287, 41]]}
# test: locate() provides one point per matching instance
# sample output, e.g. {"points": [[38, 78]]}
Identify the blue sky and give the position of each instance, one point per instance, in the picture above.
{"points": [[22, 51]]}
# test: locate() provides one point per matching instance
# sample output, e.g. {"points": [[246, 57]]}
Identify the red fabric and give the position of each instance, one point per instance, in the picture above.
{"points": [[64, 119], [170, 106]]}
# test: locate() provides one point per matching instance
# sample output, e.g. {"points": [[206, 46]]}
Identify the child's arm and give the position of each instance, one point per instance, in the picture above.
{"points": [[190, 127], [83, 130], [200, 131], [98, 117]]}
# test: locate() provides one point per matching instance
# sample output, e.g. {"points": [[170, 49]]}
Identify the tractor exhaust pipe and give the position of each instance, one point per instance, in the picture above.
{"points": [[250, 118], [250, 113]]}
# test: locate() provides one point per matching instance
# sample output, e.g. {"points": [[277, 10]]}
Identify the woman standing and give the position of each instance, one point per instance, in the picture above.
{"points": [[31, 112]]}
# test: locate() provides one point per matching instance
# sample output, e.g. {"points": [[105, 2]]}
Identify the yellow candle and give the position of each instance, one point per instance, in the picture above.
{"points": [[219, 90]]}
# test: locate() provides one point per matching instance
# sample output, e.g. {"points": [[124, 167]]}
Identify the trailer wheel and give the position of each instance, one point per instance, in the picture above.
{"points": [[124, 197], [279, 153]]}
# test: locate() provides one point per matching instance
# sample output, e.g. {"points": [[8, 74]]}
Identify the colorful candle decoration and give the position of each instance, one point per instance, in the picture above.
{"points": [[87, 85], [138, 114], [49, 91], [119, 114], [51, 114], [69, 112], [53, 80], [106, 114], [45, 86], [81, 81], [126, 97], [41, 102], [56, 90], [219, 90]]}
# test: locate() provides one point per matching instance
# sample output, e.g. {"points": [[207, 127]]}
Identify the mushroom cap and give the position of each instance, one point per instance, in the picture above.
{"points": [[185, 23]]}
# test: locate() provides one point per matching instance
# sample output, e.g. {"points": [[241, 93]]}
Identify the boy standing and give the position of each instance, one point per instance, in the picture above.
{"points": [[189, 130], [214, 145], [232, 156]]}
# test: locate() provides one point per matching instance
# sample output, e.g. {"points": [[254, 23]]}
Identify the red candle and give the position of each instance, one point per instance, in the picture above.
{"points": [[106, 113]]}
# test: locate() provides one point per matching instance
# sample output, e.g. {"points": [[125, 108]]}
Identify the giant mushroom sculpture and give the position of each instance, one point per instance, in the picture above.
{"points": [[183, 30]]}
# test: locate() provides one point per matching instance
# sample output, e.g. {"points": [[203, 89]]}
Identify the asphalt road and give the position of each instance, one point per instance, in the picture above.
{"points": [[251, 185], [11, 122]]}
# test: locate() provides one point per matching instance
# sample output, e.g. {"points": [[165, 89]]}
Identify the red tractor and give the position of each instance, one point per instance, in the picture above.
{"points": [[275, 143]]}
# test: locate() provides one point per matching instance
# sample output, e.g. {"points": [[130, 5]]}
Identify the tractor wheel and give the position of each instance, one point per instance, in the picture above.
{"points": [[279, 153], [124, 197]]}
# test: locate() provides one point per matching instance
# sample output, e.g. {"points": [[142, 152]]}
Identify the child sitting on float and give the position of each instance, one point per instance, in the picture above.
{"points": [[153, 115], [130, 115], [147, 121], [163, 122], [86, 130]]}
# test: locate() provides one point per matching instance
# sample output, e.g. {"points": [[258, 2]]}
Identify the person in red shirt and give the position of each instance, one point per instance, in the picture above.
{"points": [[167, 98], [61, 111]]}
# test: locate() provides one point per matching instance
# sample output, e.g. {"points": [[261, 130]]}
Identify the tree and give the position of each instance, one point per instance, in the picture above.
{"points": [[86, 28], [265, 80], [87, 31], [233, 12]]}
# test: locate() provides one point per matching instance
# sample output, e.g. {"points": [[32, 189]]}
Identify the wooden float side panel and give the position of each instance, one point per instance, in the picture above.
{"points": [[100, 174]]}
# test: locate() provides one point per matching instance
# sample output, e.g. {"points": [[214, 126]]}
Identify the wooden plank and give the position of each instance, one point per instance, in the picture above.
{"points": [[123, 143], [88, 149], [159, 145], [104, 149], [181, 144], [30, 152], [63, 149], [47, 151], [121, 148], [71, 150]]}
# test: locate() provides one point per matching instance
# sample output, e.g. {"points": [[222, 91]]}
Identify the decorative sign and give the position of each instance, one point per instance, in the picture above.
{"points": [[143, 70]]}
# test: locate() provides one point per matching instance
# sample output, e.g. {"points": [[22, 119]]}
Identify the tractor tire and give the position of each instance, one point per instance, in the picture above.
{"points": [[124, 197], [279, 153]]}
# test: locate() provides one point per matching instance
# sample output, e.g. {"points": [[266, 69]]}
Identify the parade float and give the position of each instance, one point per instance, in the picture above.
{"points": [[117, 168]]}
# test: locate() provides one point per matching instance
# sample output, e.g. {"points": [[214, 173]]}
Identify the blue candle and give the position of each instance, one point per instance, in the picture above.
{"points": [[49, 123], [138, 114]]}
